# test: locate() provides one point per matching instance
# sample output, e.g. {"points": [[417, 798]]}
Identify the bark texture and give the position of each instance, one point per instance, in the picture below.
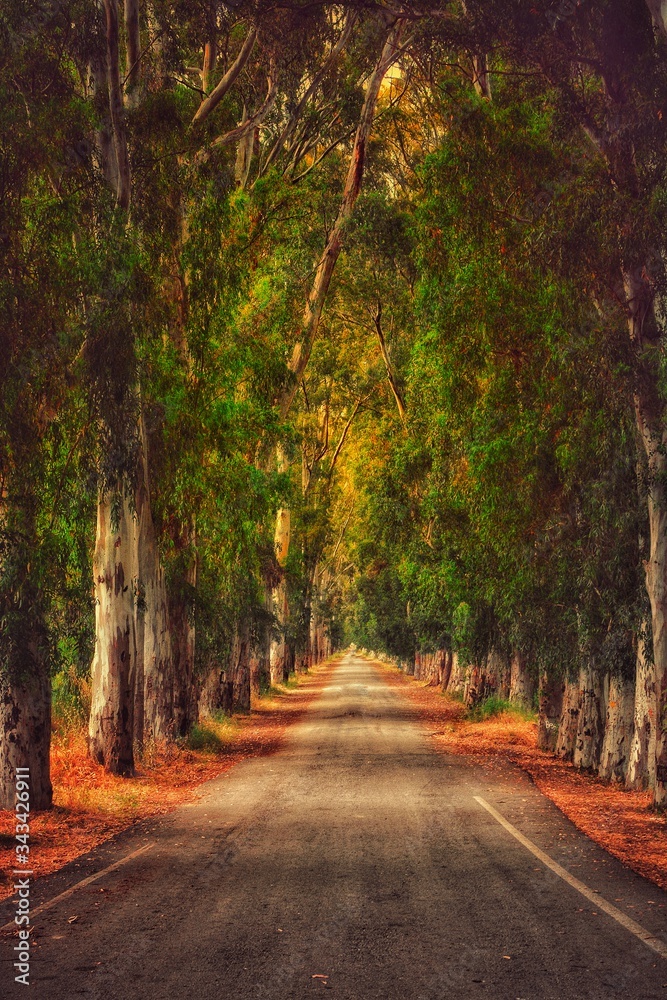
{"points": [[522, 682], [25, 735], [641, 764], [591, 721], [618, 731], [111, 725], [566, 739], [550, 707]]}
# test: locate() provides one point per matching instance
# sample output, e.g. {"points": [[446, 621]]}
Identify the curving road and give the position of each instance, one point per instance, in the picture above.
{"points": [[358, 861]]}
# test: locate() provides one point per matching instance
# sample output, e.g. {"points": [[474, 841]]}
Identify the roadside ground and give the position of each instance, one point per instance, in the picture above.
{"points": [[90, 805], [620, 821]]}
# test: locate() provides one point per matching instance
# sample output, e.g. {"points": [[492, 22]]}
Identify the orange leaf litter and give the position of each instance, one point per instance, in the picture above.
{"points": [[620, 821], [91, 805]]}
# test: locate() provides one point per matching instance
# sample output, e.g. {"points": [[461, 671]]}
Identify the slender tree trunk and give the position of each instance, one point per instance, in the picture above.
{"points": [[111, 726], [280, 598], [642, 758], [650, 416], [447, 664], [182, 636], [158, 687], [239, 669]]}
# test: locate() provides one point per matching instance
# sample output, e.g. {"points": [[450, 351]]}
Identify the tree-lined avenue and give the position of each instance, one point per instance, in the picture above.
{"points": [[357, 860]]}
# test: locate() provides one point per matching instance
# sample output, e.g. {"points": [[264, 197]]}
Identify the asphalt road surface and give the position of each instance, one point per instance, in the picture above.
{"points": [[357, 861]]}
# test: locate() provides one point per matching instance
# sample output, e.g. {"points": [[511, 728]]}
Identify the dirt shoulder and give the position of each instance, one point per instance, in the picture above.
{"points": [[90, 805], [620, 821]]}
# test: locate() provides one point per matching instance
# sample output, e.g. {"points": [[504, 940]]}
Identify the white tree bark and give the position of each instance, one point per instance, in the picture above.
{"points": [[642, 757], [592, 714], [111, 725], [618, 731]]}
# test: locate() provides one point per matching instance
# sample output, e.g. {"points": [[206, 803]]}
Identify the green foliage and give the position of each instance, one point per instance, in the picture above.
{"points": [[493, 706]]}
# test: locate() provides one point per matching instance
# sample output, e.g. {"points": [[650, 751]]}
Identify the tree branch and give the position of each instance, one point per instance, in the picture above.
{"points": [[327, 263], [319, 76], [228, 80], [377, 319]]}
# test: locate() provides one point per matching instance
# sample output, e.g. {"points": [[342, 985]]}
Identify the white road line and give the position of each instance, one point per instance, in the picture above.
{"points": [[80, 885], [631, 925]]}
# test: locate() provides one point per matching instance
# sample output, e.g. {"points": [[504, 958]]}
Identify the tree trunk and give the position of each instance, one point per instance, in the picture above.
{"points": [[457, 676], [566, 739], [239, 669], [279, 651], [475, 688], [641, 764], [590, 728], [650, 417], [111, 726], [446, 670], [497, 675], [25, 735], [550, 706], [522, 683], [182, 634], [158, 695], [255, 676], [618, 729]]}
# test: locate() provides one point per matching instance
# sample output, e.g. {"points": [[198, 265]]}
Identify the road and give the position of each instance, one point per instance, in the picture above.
{"points": [[357, 860]]}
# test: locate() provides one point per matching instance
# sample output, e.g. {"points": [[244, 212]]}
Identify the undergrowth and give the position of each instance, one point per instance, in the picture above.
{"points": [[493, 706]]}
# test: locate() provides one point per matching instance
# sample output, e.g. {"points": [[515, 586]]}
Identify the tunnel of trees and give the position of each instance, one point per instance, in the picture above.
{"points": [[327, 324]]}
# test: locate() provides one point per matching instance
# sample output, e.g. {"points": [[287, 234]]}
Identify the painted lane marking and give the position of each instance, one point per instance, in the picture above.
{"points": [[80, 885], [631, 925]]}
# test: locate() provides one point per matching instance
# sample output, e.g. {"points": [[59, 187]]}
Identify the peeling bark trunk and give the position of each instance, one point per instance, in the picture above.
{"points": [[497, 675], [239, 669], [474, 690], [182, 632], [158, 693], [111, 726], [522, 683], [650, 417], [280, 599], [255, 676], [550, 705], [117, 111], [25, 734], [641, 764], [566, 739], [457, 676], [590, 729], [618, 731], [447, 663]]}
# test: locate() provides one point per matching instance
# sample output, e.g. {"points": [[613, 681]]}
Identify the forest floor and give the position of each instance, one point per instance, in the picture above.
{"points": [[620, 821], [91, 805]]}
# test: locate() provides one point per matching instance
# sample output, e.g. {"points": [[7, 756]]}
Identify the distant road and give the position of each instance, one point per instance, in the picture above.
{"points": [[359, 861]]}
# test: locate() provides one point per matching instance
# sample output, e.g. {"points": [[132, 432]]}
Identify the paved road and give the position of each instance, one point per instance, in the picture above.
{"points": [[357, 855]]}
